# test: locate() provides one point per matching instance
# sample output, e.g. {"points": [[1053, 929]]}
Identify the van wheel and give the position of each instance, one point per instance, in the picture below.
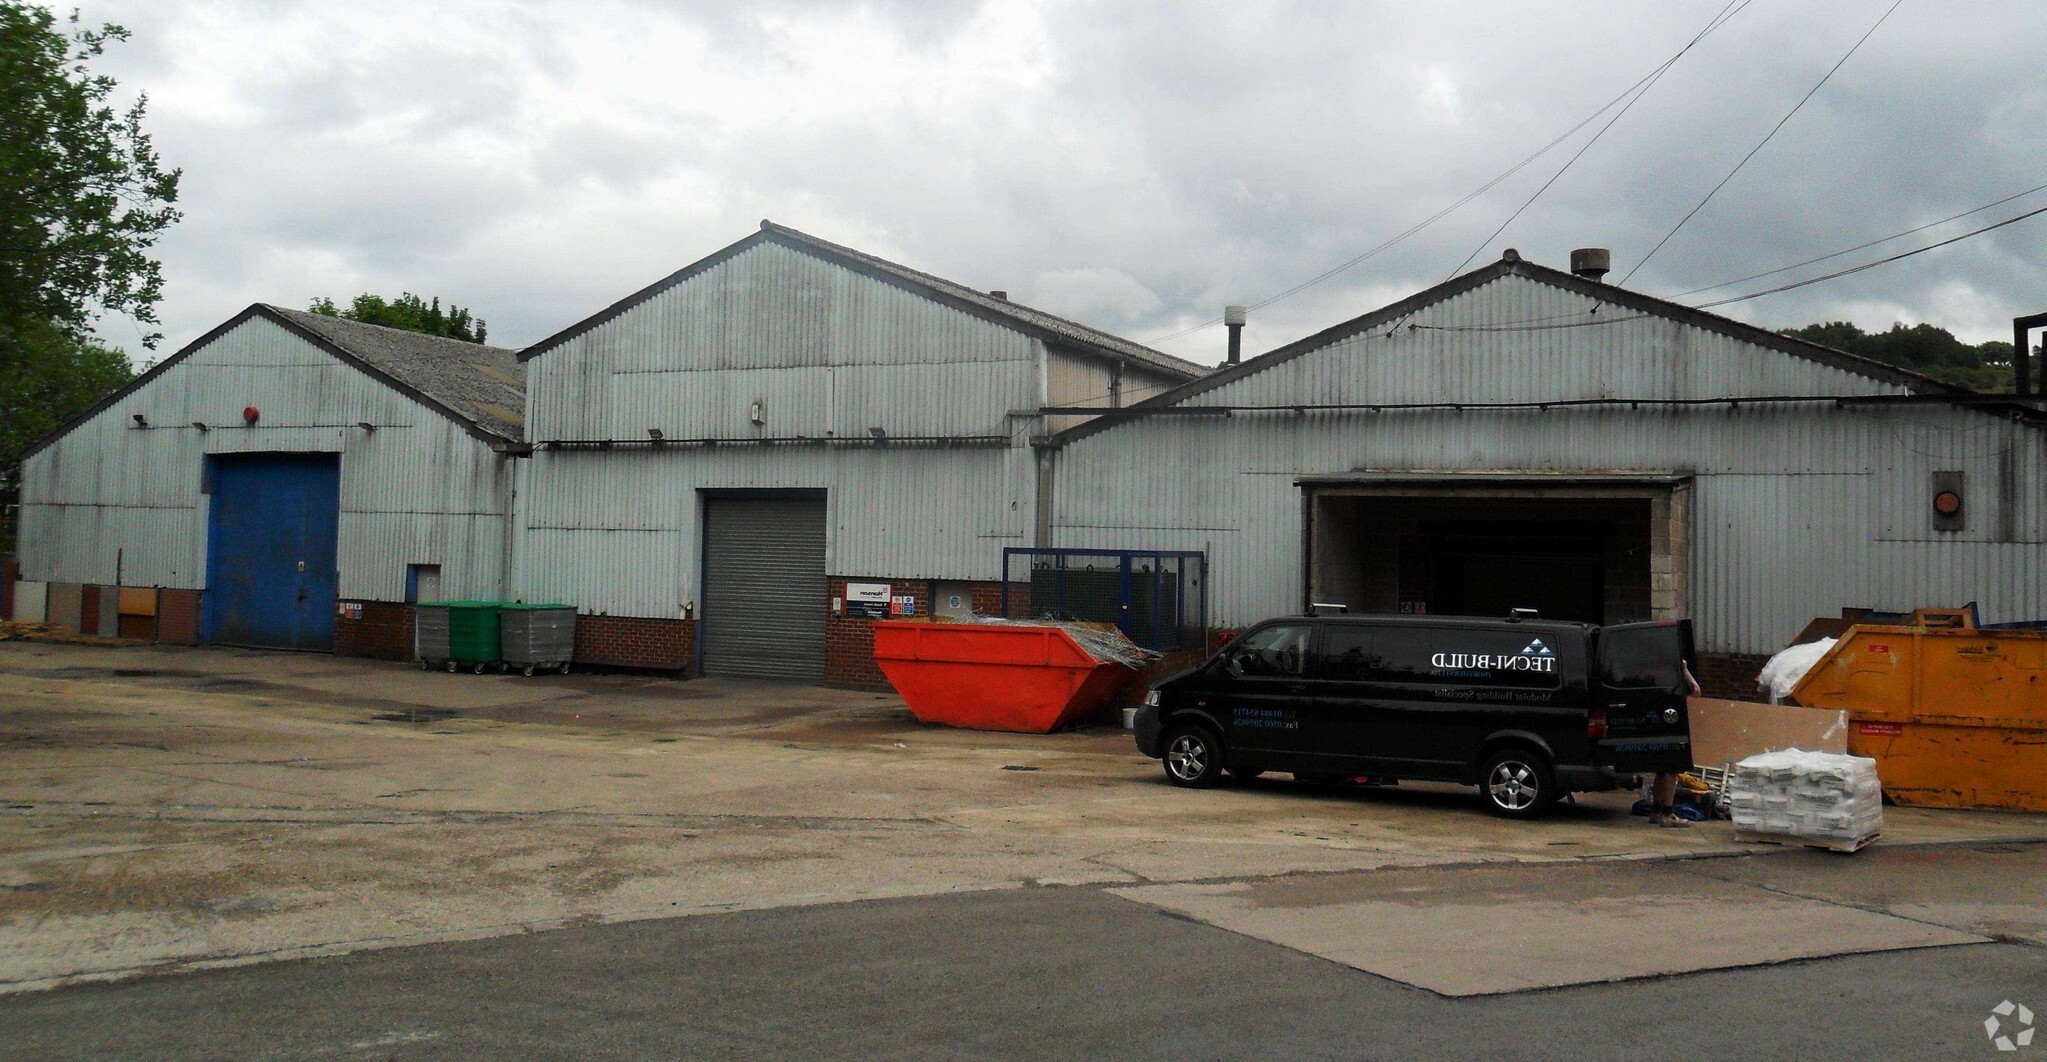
{"points": [[1516, 784], [1194, 758]]}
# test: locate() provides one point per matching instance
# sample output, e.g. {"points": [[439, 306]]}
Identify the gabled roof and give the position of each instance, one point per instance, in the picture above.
{"points": [[958, 296], [1513, 265], [481, 388], [485, 386]]}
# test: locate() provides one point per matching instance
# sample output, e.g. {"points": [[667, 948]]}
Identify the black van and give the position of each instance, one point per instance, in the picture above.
{"points": [[1525, 709]]}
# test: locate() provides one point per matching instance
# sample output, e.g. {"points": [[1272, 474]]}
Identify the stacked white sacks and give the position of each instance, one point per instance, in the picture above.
{"points": [[1822, 796]]}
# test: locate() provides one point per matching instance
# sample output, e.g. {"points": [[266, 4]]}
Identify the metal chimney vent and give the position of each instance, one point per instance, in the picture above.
{"points": [[1591, 263]]}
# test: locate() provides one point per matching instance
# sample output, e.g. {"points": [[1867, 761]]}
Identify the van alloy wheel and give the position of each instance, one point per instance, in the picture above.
{"points": [[1193, 758], [1516, 784]]}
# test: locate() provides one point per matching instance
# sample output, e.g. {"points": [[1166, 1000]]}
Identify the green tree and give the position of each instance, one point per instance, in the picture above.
{"points": [[410, 312], [1922, 348], [83, 198], [83, 194], [57, 377]]}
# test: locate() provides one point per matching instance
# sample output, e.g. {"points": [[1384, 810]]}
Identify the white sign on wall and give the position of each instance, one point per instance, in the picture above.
{"points": [[867, 599]]}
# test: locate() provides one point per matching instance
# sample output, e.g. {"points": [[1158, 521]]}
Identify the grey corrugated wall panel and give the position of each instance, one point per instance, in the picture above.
{"points": [[418, 490], [828, 350], [1797, 510], [618, 532]]}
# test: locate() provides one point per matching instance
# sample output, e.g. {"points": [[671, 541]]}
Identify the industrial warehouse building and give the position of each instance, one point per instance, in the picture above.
{"points": [[288, 480], [1525, 437], [735, 466], [733, 470]]}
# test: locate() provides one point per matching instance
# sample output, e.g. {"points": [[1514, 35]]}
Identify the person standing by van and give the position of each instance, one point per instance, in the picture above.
{"points": [[1663, 790]]}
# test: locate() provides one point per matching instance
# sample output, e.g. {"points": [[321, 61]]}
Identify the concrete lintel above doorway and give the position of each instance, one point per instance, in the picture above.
{"points": [[1499, 483]]}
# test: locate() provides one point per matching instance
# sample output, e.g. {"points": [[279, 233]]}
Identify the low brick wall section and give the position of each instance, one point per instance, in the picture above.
{"points": [[384, 632], [177, 617], [8, 574], [1732, 676], [631, 641]]}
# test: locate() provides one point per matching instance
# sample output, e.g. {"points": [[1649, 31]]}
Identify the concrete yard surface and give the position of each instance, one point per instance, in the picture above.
{"points": [[1466, 931], [168, 810]]}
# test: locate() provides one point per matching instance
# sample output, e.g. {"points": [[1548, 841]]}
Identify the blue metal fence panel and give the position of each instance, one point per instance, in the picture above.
{"points": [[270, 553]]}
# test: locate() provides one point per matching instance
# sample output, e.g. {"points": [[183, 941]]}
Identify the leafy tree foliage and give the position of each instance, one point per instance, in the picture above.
{"points": [[57, 377], [83, 194], [410, 312], [1922, 349]]}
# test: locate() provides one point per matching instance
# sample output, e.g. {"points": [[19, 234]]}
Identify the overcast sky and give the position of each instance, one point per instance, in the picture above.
{"points": [[1132, 166]]}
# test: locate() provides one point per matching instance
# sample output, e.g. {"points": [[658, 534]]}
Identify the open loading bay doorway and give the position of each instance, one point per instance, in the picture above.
{"points": [[1601, 549]]}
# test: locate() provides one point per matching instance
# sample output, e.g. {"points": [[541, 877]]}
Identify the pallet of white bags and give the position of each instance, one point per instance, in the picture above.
{"points": [[1794, 840]]}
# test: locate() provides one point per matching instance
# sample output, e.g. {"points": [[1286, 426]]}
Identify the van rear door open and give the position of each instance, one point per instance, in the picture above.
{"points": [[1643, 690]]}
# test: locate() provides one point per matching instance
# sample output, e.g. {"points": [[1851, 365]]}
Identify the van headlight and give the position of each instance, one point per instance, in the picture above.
{"points": [[1151, 698]]}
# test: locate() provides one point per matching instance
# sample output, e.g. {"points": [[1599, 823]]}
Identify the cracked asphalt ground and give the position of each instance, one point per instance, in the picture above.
{"points": [[174, 810]]}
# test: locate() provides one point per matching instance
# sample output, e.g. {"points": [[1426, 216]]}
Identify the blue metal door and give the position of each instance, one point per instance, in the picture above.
{"points": [[270, 550]]}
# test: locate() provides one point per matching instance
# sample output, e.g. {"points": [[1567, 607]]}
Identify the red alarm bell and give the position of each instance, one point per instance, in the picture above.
{"points": [[250, 414]]}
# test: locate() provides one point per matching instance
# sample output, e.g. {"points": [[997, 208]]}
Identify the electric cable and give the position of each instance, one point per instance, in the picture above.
{"points": [[1719, 20], [1859, 246], [1872, 265], [1767, 137]]}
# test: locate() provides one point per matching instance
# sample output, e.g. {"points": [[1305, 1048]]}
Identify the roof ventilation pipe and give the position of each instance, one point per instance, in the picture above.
{"points": [[1233, 318], [1591, 263]]}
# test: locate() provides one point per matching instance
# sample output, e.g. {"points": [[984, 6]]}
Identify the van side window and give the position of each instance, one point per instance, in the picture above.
{"points": [[1347, 654], [1643, 658], [1465, 657], [1273, 651]]}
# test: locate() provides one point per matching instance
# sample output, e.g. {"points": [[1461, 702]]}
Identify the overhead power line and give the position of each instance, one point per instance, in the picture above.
{"points": [[1859, 246], [1872, 265], [1718, 20], [1767, 137]]}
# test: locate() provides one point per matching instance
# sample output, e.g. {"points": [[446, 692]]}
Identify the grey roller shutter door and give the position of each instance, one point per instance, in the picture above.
{"points": [[764, 589]]}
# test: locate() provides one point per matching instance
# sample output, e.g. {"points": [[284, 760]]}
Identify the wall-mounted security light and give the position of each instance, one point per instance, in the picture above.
{"points": [[758, 414], [141, 421], [880, 434], [201, 425], [654, 434], [365, 425]]}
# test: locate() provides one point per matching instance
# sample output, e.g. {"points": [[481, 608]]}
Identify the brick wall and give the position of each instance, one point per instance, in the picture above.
{"points": [[89, 611], [177, 617], [1732, 676], [8, 575], [849, 640], [384, 632], [629, 641]]}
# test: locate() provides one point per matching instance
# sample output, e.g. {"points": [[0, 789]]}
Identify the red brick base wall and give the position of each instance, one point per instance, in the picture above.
{"points": [[177, 617], [384, 632], [7, 577], [89, 611], [849, 640], [628, 641], [1732, 676]]}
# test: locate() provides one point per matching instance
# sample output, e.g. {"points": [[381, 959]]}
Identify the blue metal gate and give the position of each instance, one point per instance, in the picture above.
{"points": [[270, 550]]}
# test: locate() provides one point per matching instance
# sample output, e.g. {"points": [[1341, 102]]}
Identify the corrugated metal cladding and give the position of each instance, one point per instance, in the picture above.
{"points": [[764, 588], [1797, 510], [825, 351], [618, 532], [417, 490]]}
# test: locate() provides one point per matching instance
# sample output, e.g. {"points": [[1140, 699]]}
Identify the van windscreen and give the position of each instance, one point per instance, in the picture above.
{"points": [[1644, 657]]}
